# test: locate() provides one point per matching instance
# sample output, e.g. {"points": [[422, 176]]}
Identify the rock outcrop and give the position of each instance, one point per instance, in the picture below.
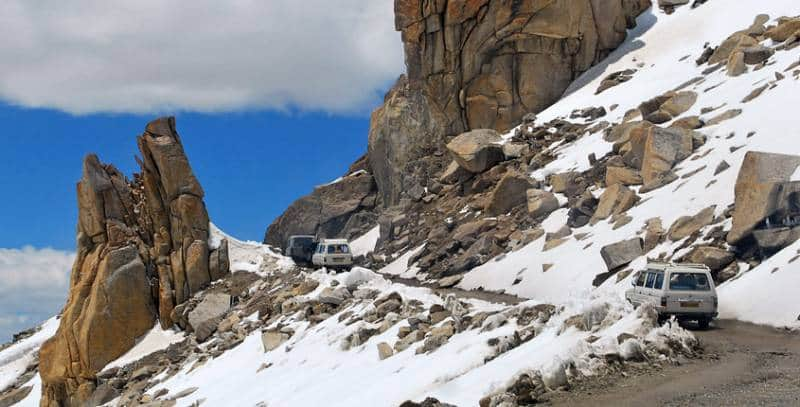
{"points": [[762, 189], [334, 210], [483, 65], [142, 248]]}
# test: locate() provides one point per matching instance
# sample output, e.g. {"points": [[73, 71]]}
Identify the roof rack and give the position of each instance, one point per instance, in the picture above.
{"points": [[660, 265]]}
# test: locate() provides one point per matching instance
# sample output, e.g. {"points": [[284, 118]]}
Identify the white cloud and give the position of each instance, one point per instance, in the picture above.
{"points": [[33, 286], [143, 56]]}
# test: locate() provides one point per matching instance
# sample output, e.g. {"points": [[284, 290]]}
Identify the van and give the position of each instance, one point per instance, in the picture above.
{"points": [[301, 248], [685, 291], [333, 254]]}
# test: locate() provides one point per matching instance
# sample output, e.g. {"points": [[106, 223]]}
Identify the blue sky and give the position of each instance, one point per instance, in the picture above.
{"points": [[271, 99]]}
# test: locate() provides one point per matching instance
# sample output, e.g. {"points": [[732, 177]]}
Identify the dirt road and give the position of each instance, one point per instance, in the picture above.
{"points": [[742, 365]]}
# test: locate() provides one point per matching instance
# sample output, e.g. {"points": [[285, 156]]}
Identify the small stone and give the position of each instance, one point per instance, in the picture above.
{"points": [[384, 351]]}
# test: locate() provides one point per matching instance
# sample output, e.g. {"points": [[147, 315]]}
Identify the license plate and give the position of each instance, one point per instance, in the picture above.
{"points": [[690, 304]]}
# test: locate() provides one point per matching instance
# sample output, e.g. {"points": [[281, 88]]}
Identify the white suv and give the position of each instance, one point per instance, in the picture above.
{"points": [[333, 254], [685, 291]]}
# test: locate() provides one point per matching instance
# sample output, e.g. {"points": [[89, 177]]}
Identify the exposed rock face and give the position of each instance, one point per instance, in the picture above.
{"points": [[760, 187], [327, 211], [483, 64], [142, 249]]}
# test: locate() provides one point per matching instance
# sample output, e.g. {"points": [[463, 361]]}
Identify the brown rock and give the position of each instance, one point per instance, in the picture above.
{"points": [[685, 226], [621, 253], [541, 203], [615, 200], [130, 268], [758, 187], [509, 193], [731, 45], [622, 176], [715, 258], [736, 65], [784, 30], [477, 150], [679, 103], [662, 150]]}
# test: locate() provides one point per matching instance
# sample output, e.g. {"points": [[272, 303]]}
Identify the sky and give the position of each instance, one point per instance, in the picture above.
{"points": [[271, 99]]}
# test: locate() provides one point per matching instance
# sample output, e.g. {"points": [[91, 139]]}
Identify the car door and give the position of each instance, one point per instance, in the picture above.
{"points": [[649, 292], [637, 296]]}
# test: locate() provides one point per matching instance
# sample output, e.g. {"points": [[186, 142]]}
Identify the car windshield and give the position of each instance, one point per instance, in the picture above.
{"points": [[689, 282], [303, 242], [338, 249]]}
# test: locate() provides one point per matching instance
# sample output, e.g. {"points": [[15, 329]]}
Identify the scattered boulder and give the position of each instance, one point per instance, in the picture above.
{"points": [[727, 115], [477, 150], [516, 150], [385, 351], [620, 254], [509, 193], [736, 65], [211, 308], [685, 226], [334, 296], [756, 54], [273, 339], [615, 200], [15, 396], [541, 203], [715, 258], [731, 45], [582, 211], [679, 103], [786, 28], [623, 176], [664, 148]]}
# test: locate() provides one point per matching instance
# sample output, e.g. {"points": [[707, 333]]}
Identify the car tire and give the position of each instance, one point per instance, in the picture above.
{"points": [[703, 323]]}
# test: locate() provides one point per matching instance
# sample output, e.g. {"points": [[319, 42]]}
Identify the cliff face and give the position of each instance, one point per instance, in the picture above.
{"points": [[474, 64], [142, 249]]}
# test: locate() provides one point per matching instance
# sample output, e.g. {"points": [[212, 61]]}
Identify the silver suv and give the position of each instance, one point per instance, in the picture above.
{"points": [[333, 254], [685, 291]]}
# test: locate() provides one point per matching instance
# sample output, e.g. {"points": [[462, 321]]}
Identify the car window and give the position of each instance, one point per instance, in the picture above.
{"points": [[640, 279], [689, 282], [651, 279], [338, 249], [659, 281]]}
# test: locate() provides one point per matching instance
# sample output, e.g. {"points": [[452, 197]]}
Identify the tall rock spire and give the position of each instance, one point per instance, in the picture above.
{"points": [[142, 249]]}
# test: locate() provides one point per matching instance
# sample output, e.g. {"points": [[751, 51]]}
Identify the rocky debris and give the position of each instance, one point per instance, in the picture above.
{"points": [[616, 199], [142, 250], [622, 176], [755, 93], [619, 254], [329, 211], [786, 28], [541, 203], [581, 211], [669, 5], [762, 180], [715, 258], [736, 65], [686, 226], [385, 351], [721, 167], [428, 402], [772, 240], [509, 193], [688, 123], [653, 234], [615, 79], [273, 339], [664, 148], [727, 115], [334, 296], [206, 316], [516, 150], [477, 150], [670, 105], [14, 396]]}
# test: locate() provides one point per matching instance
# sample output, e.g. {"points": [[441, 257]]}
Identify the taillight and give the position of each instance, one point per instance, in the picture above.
{"points": [[716, 302], [663, 301]]}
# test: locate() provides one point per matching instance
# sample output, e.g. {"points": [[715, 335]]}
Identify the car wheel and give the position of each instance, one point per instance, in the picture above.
{"points": [[703, 323]]}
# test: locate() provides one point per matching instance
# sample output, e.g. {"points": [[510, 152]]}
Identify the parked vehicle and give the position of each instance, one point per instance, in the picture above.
{"points": [[333, 254], [685, 291], [301, 248]]}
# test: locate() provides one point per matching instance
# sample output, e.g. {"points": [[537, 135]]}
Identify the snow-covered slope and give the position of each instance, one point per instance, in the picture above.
{"points": [[658, 51]]}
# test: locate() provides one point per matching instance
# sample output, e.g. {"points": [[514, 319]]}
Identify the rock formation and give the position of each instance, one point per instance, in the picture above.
{"points": [[142, 249], [483, 64], [329, 210]]}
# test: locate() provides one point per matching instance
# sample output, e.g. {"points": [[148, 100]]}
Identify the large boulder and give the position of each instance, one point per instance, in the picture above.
{"points": [[541, 203], [477, 150], [715, 258], [326, 211], [142, 249], [615, 200], [686, 226], [509, 193], [758, 190], [621, 253], [662, 150]]}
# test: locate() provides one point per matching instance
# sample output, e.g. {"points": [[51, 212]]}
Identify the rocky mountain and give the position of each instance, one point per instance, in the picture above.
{"points": [[493, 257], [470, 65]]}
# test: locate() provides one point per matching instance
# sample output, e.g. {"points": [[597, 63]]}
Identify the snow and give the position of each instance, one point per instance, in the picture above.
{"points": [[400, 267], [767, 294], [248, 255], [655, 50], [16, 358], [312, 369], [154, 340], [365, 243]]}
